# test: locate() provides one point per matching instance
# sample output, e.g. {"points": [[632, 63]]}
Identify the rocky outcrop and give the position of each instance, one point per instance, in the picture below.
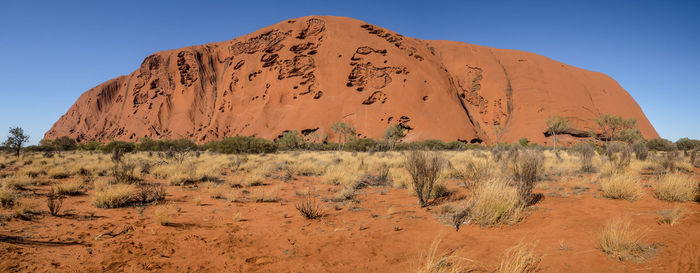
{"points": [[314, 71]]}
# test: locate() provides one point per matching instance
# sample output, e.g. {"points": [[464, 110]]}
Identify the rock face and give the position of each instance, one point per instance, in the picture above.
{"points": [[306, 74]]}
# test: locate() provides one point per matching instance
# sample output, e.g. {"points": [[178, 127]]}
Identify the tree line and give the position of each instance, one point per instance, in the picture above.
{"points": [[609, 128]]}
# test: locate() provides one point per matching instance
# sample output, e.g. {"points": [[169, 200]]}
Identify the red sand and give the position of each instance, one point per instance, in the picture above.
{"points": [[308, 73]]}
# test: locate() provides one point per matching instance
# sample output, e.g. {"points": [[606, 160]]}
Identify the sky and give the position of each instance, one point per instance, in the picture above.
{"points": [[53, 51]]}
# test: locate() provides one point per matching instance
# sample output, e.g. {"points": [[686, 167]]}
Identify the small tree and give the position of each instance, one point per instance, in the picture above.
{"points": [[610, 126], [556, 125], [393, 134], [16, 140], [343, 130]]}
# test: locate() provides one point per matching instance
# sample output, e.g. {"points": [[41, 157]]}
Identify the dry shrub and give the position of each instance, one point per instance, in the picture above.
{"points": [[310, 208], [113, 196], [672, 216], [641, 152], [620, 241], [495, 202], [677, 188], [526, 168], [619, 186], [520, 259], [424, 168], [163, 213], [586, 151], [54, 201], [74, 187]]}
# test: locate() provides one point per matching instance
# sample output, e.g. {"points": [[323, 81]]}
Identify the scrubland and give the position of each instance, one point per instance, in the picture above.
{"points": [[481, 210]]}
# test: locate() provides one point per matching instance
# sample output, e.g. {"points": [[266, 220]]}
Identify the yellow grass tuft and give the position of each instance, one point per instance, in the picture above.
{"points": [[619, 186], [677, 187], [620, 241], [672, 216], [69, 188], [162, 214], [520, 259], [113, 196], [496, 202]]}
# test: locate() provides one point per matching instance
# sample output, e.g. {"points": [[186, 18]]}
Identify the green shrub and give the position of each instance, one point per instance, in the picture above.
{"points": [[290, 140], [123, 146], [660, 144], [242, 144]]}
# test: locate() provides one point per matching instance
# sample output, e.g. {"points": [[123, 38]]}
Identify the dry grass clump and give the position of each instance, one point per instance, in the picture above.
{"points": [[475, 170], [310, 168], [399, 178], [263, 195], [150, 192], [621, 186], [113, 196], [310, 208], [54, 201], [162, 214], [58, 172], [677, 188], [22, 209], [255, 178], [8, 197], [340, 175], [447, 262], [495, 202], [424, 168], [216, 191], [520, 259], [620, 241], [74, 187], [19, 182], [672, 216]]}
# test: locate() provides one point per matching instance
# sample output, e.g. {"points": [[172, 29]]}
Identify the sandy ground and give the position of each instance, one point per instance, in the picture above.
{"points": [[383, 231]]}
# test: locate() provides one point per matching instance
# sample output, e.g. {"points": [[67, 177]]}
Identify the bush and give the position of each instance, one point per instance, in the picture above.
{"points": [[660, 144], [126, 147], [586, 151], [424, 168], [620, 241], [620, 186], [524, 142], [310, 208], [526, 168], [290, 140], [641, 152], [361, 145], [677, 188], [686, 144], [242, 144]]}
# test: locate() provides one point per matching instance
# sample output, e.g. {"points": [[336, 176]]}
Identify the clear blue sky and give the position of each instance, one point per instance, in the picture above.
{"points": [[53, 51]]}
